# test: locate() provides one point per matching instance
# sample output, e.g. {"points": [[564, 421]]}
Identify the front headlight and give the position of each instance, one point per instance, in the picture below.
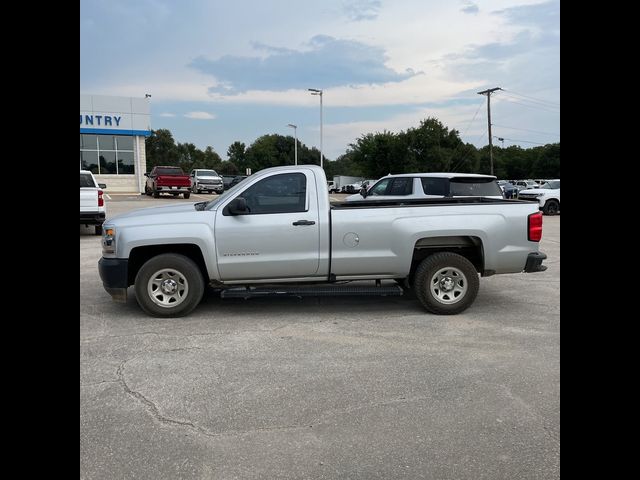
{"points": [[108, 240]]}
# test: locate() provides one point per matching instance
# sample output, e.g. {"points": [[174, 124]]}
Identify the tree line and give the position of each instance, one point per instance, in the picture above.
{"points": [[430, 147]]}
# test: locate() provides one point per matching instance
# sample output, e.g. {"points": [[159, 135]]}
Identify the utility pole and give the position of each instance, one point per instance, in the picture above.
{"points": [[488, 93]]}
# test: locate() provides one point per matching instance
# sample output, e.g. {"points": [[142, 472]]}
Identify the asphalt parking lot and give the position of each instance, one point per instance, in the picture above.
{"points": [[346, 387]]}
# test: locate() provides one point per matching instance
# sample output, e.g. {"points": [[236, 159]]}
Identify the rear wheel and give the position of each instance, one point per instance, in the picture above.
{"points": [[156, 194], [169, 285], [551, 207], [98, 229], [187, 194], [446, 283]]}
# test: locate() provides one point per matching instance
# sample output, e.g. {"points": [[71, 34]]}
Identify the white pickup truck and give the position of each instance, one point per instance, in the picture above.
{"points": [[92, 208], [276, 233]]}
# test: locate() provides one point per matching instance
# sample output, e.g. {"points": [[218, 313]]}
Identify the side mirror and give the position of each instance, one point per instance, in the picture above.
{"points": [[146, 174], [238, 206], [363, 192], [102, 185]]}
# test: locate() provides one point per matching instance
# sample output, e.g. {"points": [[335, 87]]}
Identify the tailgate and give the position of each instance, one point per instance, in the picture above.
{"points": [[88, 200], [173, 181]]}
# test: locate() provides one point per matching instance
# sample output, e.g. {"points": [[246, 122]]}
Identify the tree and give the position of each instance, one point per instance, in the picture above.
{"points": [[237, 155], [160, 149]]}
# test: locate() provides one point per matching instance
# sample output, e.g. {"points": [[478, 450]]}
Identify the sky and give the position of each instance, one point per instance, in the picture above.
{"points": [[220, 71]]}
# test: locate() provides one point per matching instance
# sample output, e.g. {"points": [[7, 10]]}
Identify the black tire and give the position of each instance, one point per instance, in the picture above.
{"points": [[427, 271], [551, 207], [180, 266], [156, 194], [147, 191], [187, 195], [98, 229]]}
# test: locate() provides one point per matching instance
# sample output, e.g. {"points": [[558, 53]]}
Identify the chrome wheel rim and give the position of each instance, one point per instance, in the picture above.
{"points": [[448, 285], [168, 288]]}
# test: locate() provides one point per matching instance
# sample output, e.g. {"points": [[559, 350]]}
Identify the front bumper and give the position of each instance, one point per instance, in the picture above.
{"points": [[534, 262], [210, 187], [114, 276]]}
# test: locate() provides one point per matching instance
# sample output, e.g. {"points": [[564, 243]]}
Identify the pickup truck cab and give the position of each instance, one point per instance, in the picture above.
{"points": [[276, 233], [430, 185], [167, 180], [93, 211]]}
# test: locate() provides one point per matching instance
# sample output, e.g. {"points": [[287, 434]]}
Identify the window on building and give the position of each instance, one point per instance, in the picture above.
{"points": [[107, 154]]}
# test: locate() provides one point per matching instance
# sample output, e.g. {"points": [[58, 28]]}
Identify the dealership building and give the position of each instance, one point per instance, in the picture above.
{"points": [[112, 134]]}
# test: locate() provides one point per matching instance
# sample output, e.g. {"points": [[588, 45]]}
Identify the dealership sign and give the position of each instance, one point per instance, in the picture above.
{"points": [[100, 120]]}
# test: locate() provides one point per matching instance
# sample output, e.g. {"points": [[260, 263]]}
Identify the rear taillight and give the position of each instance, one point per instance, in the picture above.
{"points": [[535, 227], [100, 199]]}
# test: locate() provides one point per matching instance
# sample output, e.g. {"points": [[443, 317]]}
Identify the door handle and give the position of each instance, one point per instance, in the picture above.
{"points": [[304, 222]]}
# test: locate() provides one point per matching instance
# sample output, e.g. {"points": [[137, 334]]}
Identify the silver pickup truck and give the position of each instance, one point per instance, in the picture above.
{"points": [[276, 233]]}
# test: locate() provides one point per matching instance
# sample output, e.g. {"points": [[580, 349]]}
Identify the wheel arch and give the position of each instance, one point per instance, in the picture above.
{"points": [[468, 246], [139, 255]]}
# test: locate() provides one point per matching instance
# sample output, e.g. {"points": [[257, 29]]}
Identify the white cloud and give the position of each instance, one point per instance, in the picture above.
{"points": [[166, 114], [200, 115]]}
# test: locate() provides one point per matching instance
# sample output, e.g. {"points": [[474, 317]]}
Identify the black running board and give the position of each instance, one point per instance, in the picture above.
{"points": [[311, 291]]}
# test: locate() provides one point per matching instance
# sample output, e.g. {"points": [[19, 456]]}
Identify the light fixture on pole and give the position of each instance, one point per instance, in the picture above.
{"points": [[500, 139], [295, 139], [315, 91]]}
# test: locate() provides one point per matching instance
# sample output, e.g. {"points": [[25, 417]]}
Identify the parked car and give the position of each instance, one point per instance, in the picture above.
{"points": [[430, 185], [525, 184], [165, 179], [206, 180], [92, 208], [547, 196], [278, 234], [236, 180], [226, 180]]}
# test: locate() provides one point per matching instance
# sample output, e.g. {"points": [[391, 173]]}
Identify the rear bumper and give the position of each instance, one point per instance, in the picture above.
{"points": [[534, 262], [163, 189], [92, 218], [113, 273]]}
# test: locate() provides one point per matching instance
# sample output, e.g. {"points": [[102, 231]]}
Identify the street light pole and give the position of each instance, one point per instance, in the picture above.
{"points": [[295, 139], [315, 91]]}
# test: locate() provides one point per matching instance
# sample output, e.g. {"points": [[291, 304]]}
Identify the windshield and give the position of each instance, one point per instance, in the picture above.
{"points": [[228, 193], [206, 173], [553, 185]]}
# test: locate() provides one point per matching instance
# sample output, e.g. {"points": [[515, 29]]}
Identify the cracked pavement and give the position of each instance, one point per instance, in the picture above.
{"points": [[346, 387]]}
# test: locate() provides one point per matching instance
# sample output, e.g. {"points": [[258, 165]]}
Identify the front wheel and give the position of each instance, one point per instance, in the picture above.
{"points": [[446, 283], [169, 285]]}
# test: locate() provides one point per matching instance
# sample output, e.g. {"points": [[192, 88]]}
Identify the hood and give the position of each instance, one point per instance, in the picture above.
{"points": [[533, 191], [354, 198], [155, 215]]}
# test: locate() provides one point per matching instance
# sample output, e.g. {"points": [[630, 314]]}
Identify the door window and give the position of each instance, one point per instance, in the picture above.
{"points": [[285, 193]]}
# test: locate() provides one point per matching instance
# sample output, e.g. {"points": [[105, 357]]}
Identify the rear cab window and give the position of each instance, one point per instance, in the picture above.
{"points": [[474, 187], [86, 181]]}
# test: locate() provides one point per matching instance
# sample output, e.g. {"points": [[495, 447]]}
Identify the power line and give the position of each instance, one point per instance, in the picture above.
{"points": [[527, 130], [524, 141], [513, 98], [474, 116], [555, 104], [528, 105]]}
